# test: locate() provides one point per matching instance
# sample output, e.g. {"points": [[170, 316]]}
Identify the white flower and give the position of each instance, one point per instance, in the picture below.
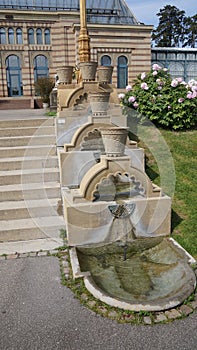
{"points": [[144, 86], [128, 87], [121, 96], [156, 67], [143, 75], [135, 105], [174, 83], [131, 99]]}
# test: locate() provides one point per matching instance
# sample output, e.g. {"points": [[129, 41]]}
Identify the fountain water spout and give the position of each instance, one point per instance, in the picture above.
{"points": [[125, 251]]}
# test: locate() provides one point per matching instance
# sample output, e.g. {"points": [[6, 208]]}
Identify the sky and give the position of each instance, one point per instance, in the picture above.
{"points": [[145, 10]]}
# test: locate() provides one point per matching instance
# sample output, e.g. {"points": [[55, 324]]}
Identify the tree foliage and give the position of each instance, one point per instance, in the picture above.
{"points": [[190, 31], [175, 29], [43, 87]]}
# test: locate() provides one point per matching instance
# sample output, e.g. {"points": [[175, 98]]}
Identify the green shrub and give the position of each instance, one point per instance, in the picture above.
{"points": [[167, 102]]}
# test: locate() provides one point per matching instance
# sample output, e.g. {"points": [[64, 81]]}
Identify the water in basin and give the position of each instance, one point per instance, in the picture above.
{"points": [[144, 270]]}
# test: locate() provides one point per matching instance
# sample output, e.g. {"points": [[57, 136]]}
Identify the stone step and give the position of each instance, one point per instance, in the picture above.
{"points": [[28, 163], [27, 141], [32, 228], [31, 208], [20, 192], [26, 176], [31, 122], [26, 131], [30, 204], [20, 151], [33, 245]]}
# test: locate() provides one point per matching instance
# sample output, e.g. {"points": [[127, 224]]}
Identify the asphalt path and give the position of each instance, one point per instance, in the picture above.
{"points": [[38, 313]]}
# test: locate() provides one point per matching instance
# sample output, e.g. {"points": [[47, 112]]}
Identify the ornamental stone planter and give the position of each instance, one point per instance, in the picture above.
{"points": [[88, 70], [65, 74], [104, 74], [45, 105], [99, 102], [114, 140]]}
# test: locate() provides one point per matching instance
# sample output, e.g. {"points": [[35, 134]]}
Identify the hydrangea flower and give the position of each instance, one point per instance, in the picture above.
{"points": [[144, 86], [135, 105], [155, 72], [194, 94], [132, 99], [181, 99], [143, 75], [156, 67], [128, 87], [190, 95], [194, 88], [174, 83], [121, 96]]}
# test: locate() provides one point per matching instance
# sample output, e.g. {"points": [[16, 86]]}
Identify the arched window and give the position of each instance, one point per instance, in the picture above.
{"points": [[40, 67], [2, 36], [176, 70], [122, 72], [191, 71], [39, 36], [31, 36], [105, 60], [10, 36], [13, 70], [19, 36], [47, 39]]}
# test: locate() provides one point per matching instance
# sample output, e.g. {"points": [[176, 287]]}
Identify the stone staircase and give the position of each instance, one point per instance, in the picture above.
{"points": [[30, 205]]}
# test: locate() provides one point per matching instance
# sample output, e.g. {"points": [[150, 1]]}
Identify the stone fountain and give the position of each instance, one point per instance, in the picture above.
{"points": [[118, 221]]}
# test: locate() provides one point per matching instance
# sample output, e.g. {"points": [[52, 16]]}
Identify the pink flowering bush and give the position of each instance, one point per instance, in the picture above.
{"points": [[168, 102]]}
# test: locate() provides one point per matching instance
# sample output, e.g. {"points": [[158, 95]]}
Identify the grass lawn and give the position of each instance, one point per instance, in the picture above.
{"points": [[183, 147]]}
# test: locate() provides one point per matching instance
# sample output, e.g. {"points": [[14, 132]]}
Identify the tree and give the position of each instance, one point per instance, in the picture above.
{"points": [[191, 31], [43, 87], [171, 29]]}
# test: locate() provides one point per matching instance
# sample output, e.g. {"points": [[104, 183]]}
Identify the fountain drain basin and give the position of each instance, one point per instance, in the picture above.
{"points": [[148, 274]]}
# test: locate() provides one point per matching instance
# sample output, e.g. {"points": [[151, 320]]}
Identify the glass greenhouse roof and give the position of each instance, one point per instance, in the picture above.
{"points": [[98, 11]]}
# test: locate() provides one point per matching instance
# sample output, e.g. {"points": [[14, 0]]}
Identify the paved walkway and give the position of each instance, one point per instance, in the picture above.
{"points": [[38, 313]]}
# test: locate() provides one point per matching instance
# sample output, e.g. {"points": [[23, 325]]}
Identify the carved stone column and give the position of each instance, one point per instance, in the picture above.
{"points": [[84, 39]]}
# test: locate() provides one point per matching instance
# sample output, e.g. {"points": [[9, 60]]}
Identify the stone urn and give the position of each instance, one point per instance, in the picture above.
{"points": [[99, 102], [65, 74], [45, 105], [114, 140], [88, 70], [104, 74]]}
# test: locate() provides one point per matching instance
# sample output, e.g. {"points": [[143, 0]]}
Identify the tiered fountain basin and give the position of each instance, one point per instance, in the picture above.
{"points": [[118, 224]]}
